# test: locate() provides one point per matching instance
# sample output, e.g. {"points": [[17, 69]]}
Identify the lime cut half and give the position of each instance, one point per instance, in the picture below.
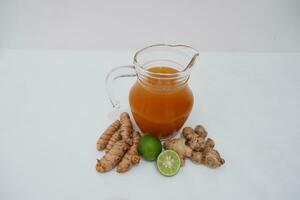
{"points": [[168, 163]]}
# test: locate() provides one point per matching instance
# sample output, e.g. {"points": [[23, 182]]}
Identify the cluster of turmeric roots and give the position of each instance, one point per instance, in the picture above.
{"points": [[120, 142], [194, 146]]}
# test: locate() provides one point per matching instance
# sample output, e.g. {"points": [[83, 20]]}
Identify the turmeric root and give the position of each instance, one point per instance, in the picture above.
{"points": [[193, 140], [106, 135], [126, 126], [112, 157], [131, 157], [180, 147], [114, 138]]}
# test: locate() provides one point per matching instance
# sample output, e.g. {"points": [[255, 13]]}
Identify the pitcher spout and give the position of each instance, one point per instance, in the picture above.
{"points": [[192, 55], [192, 61]]}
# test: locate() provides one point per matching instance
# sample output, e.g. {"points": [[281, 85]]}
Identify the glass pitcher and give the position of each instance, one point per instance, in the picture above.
{"points": [[160, 100]]}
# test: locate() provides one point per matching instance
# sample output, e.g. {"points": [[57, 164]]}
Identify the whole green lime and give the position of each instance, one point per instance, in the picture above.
{"points": [[149, 147]]}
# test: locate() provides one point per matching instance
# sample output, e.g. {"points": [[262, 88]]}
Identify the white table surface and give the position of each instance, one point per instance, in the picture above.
{"points": [[53, 105]]}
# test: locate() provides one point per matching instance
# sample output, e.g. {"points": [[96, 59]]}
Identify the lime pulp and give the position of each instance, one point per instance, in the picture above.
{"points": [[168, 163]]}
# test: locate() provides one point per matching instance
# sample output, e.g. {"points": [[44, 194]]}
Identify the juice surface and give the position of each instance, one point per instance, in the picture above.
{"points": [[160, 112]]}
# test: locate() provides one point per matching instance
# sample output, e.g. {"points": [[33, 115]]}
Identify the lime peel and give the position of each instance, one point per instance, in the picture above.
{"points": [[149, 147]]}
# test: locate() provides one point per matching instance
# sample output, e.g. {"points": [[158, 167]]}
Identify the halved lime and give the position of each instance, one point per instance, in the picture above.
{"points": [[168, 163]]}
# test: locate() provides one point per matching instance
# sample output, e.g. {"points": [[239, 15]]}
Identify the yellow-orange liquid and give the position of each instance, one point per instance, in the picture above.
{"points": [[160, 112]]}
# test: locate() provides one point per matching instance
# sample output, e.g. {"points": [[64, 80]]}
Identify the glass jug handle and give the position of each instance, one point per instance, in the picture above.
{"points": [[114, 74]]}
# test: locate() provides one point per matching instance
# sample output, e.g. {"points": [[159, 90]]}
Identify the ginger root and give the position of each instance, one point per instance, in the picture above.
{"points": [[209, 156], [112, 157], [212, 158], [193, 139], [194, 146], [209, 143], [114, 138], [180, 147], [131, 157], [200, 130], [107, 134]]}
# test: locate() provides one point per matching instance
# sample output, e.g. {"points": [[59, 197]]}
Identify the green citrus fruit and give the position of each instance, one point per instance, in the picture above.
{"points": [[149, 147], [168, 163]]}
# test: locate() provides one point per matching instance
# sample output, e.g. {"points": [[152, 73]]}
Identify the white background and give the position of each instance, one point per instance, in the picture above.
{"points": [[208, 25], [54, 106], [55, 55]]}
